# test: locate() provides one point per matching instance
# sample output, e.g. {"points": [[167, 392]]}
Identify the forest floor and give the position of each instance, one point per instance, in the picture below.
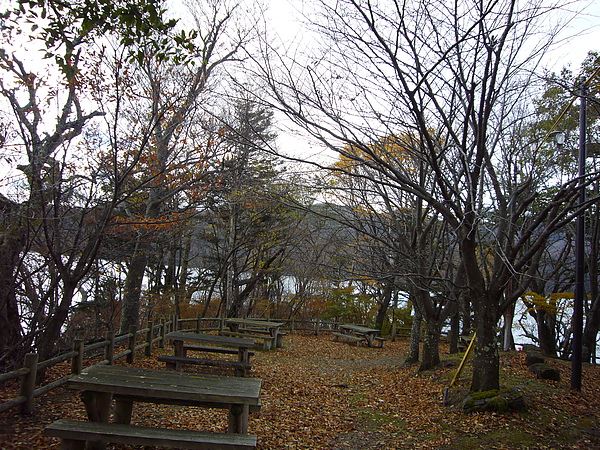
{"points": [[320, 394]]}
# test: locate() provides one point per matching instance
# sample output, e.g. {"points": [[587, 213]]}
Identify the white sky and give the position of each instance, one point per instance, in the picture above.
{"points": [[580, 34]]}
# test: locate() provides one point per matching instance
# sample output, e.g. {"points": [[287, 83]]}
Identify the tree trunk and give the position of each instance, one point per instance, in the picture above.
{"points": [[130, 311], [181, 295], [486, 362], [384, 304], [415, 338], [10, 325], [47, 340], [546, 332], [454, 333], [467, 324], [431, 346]]}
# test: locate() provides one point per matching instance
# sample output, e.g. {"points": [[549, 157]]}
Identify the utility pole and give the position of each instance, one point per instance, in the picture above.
{"points": [[579, 251]]}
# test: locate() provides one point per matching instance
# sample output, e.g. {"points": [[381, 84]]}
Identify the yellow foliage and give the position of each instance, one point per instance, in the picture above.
{"points": [[551, 304]]}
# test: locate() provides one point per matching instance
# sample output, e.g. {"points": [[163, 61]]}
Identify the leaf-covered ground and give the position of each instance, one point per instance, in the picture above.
{"points": [[320, 394]]}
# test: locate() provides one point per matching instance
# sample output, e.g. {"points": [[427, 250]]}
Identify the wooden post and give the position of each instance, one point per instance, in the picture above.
{"points": [[109, 350], [163, 329], [132, 339], [122, 411], [28, 382], [77, 361], [198, 323], [149, 335], [175, 322], [394, 331]]}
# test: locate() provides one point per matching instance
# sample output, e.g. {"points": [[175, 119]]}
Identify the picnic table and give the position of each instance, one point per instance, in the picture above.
{"points": [[358, 334], [126, 385], [215, 344], [257, 329]]}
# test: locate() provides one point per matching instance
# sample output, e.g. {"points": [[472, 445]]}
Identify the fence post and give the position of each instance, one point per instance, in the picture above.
{"points": [[198, 323], [149, 334], [163, 328], [175, 323], [109, 351], [132, 339], [394, 331], [77, 361], [28, 382]]}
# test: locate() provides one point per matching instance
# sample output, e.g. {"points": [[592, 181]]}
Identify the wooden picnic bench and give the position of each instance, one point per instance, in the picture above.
{"points": [[358, 334], [265, 330], [126, 385], [227, 345], [74, 435], [348, 338]]}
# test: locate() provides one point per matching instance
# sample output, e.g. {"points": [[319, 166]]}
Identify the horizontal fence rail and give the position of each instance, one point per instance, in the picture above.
{"points": [[127, 344]]}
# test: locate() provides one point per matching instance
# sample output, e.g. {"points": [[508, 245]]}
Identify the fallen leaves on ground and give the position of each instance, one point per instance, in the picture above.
{"points": [[320, 394]]}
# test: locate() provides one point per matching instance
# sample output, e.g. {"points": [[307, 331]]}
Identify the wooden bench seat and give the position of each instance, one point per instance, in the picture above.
{"points": [[173, 362], [74, 435], [268, 340], [348, 338]]}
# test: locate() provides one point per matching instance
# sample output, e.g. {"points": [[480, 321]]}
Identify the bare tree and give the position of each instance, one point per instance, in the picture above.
{"points": [[453, 75], [401, 240]]}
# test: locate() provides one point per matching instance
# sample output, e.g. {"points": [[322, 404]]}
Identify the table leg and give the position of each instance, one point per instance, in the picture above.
{"points": [[238, 419], [97, 406], [123, 409], [243, 355], [178, 348], [72, 444], [178, 351]]}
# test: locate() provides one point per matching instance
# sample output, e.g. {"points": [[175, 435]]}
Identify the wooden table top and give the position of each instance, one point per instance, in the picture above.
{"points": [[256, 323], [225, 341], [359, 329], [168, 386]]}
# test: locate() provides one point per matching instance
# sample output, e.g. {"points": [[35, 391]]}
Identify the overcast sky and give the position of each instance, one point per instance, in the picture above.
{"points": [[580, 35]]}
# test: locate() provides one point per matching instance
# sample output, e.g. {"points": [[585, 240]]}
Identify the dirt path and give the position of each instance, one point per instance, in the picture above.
{"points": [[320, 394]]}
